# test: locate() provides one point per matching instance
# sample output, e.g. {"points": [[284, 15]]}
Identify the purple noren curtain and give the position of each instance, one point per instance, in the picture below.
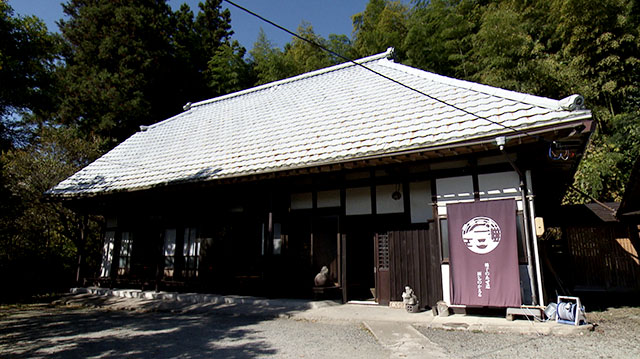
{"points": [[484, 254]]}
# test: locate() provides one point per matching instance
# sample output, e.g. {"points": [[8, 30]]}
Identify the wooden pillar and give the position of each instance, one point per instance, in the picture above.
{"points": [[80, 245], [343, 266]]}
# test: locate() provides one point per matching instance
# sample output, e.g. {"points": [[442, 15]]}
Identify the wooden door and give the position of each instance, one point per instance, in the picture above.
{"points": [[381, 260], [415, 261]]}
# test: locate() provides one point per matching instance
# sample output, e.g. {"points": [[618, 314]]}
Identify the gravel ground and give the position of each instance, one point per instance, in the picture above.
{"points": [[42, 331], [617, 335]]}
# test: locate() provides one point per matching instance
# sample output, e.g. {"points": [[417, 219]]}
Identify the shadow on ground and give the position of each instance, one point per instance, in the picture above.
{"points": [[76, 332]]}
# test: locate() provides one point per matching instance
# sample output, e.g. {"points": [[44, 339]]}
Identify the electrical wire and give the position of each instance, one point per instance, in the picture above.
{"points": [[383, 75]]}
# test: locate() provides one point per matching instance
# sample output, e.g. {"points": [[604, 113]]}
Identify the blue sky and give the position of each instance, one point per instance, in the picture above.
{"points": [[326, 16]]}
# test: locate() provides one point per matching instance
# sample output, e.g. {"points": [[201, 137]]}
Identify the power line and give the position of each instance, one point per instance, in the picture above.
{"points": [[381, 74]]}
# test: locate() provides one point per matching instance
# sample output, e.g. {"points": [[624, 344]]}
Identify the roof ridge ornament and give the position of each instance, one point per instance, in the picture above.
{"points": [[572, 103], [390, 54]]}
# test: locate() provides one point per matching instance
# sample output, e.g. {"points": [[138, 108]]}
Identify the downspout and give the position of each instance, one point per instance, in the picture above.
{"points": [[500, 141], [536, 252]]}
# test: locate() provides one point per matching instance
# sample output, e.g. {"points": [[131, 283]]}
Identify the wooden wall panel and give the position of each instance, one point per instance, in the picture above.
{"points": [[603, 257], [415, 261]]}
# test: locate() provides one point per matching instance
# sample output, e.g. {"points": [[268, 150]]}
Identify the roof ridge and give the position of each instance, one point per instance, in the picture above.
{"points": [[305, 75], [345, 64], [486, 89]]}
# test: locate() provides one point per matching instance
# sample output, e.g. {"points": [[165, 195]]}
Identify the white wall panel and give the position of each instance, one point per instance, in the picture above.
{"points": [[421, 202], [358, 200], [453, 190], [499, 185], [385, 203]]}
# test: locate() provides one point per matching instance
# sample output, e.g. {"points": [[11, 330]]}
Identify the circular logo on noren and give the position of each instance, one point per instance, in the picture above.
{"points": [[481, 235]]}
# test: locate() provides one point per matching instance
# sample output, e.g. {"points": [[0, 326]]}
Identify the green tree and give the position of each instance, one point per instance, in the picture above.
{"points": [[551, 49], [304, 55], [341, 45], [599, 45], [130, 63], [228, 71], [117, 72], [503, 49], [27, 59], [381, 25], [299, 56], [190, 84], [439, 36], [210, 64], [39, 238], [269, 61]]}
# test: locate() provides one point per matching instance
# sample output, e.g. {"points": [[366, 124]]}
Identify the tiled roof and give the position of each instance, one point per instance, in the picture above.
{"points": [[337, 114]]}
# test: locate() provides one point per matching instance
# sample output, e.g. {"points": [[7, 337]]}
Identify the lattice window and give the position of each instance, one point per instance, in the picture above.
{"points": [[383, 251]]}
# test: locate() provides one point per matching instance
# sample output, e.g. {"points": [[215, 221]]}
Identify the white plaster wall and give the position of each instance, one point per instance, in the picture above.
{"points": [[452, 190], [358, 200], [420, 201], [384, 202], [499, 185]]}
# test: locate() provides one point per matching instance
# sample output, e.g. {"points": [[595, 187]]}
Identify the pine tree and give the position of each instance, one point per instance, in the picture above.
{"points": [[118, 66], [131, 63]]}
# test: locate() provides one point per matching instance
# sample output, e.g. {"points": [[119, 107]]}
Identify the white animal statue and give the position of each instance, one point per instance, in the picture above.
{"points": [[408, 297], [322, 278]]}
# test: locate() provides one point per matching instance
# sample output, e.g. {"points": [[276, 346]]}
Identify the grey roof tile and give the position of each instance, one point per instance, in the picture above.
{"points": [[336, 114]]}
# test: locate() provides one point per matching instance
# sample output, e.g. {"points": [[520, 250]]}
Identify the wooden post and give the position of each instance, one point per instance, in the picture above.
{"points": [[159, 260], [80, 246], [343, 259]]}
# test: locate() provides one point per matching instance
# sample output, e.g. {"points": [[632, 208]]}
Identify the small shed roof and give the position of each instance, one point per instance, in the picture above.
{"points": [[337, 114]]}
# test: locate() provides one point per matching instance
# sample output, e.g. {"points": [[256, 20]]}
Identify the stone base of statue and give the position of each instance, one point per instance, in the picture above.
{"points": [[412, 308]]}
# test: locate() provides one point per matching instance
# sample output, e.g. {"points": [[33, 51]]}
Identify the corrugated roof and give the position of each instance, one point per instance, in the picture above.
{"points": [[337, 114]]}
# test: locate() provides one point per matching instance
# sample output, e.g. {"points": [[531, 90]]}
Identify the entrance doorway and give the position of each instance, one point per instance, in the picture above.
{"points": [[324, 246], [360, 260]]}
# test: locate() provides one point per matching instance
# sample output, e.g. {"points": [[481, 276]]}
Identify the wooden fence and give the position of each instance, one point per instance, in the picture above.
{"points": [[604, 258]]}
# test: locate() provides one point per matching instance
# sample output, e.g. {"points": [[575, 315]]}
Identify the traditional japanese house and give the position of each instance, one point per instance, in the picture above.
{"points": [[255, 191]]}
